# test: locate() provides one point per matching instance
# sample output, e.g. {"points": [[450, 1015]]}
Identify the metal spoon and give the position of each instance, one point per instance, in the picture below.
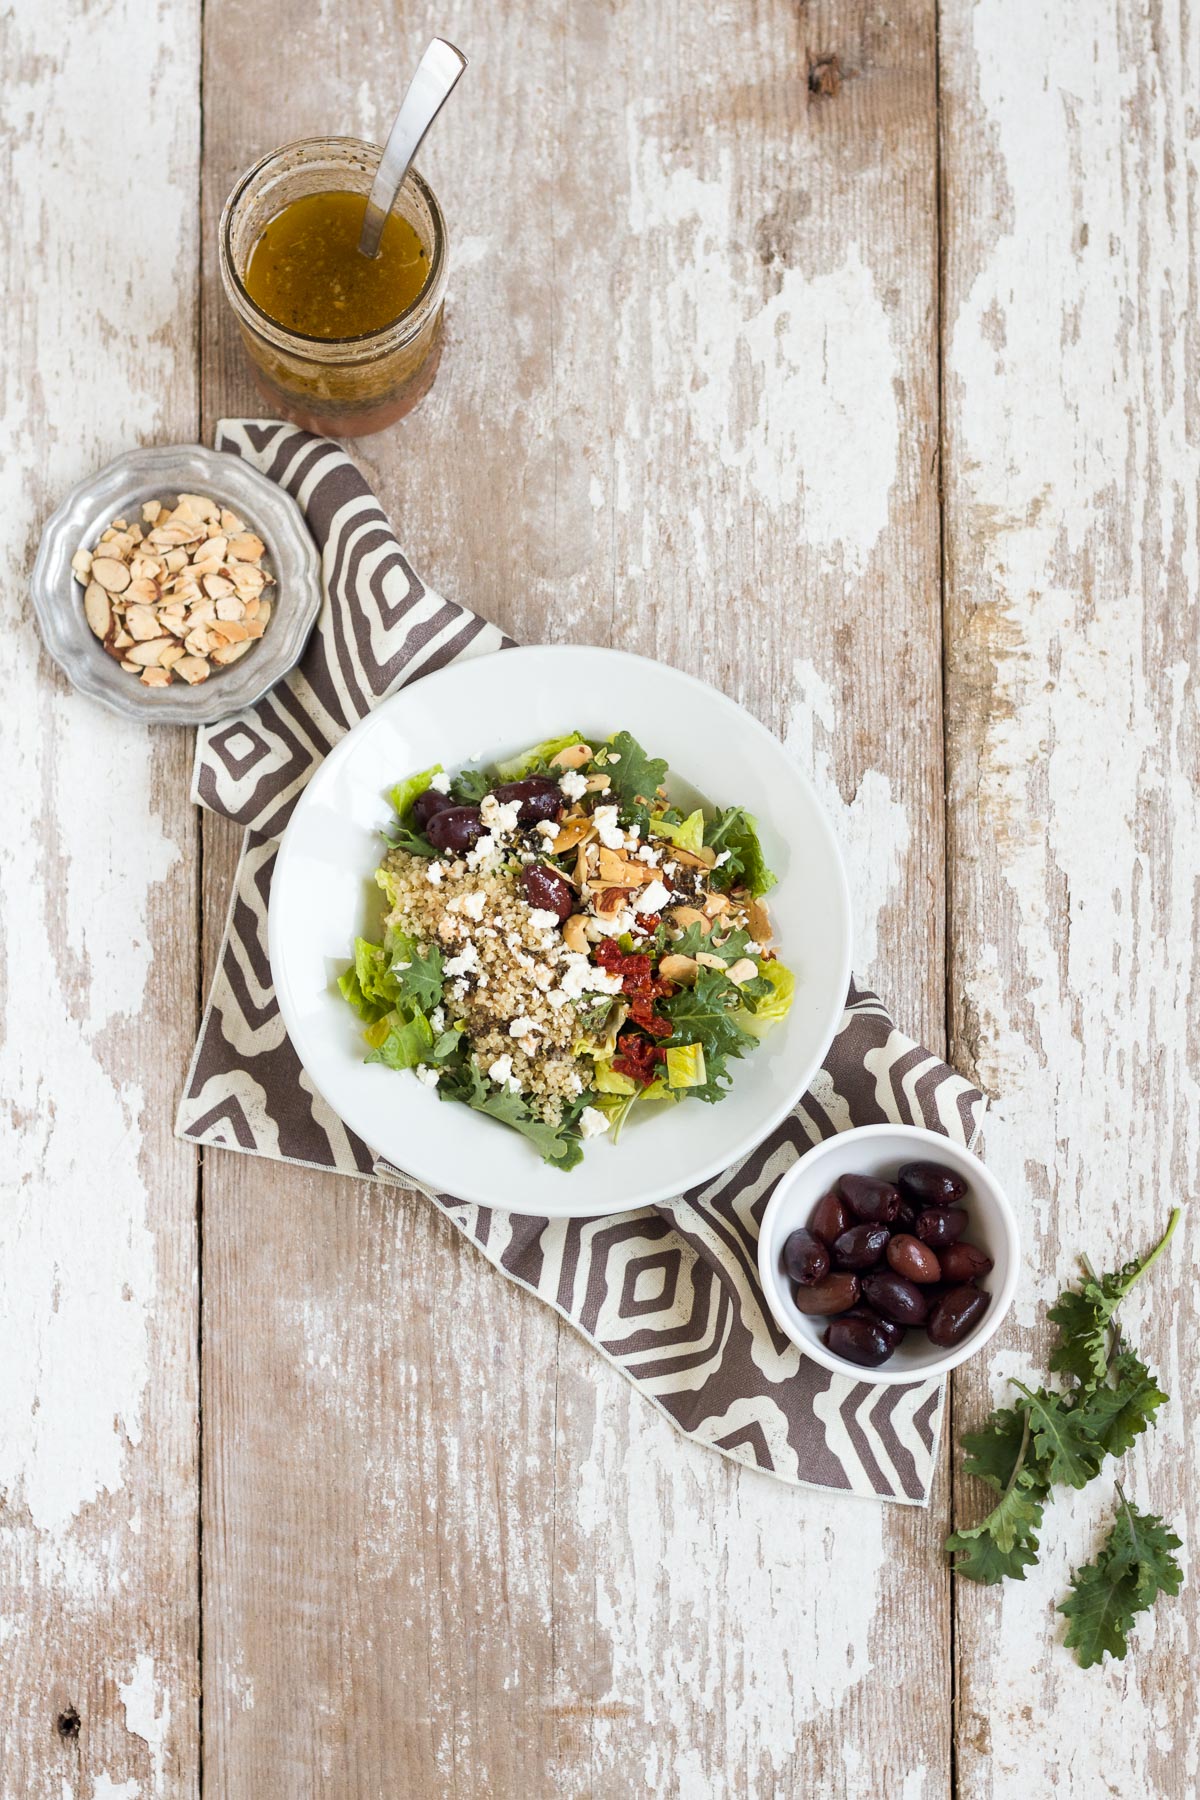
{"points": [[436, 74]]}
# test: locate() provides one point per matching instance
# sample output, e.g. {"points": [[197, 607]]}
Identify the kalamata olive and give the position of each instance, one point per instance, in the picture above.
{"points": [[964, 1262], [830, 1217], [955, 1314], [805, 1258], [832, 1294], [546, 888], [861, 1247], [906, 1218], [876, 1201], [456, 828], [895, 1297], [858, 1341], [930, 1184], [428, 803], [913, 1259], [895, 1334], [540, 798], [941, 1225]]}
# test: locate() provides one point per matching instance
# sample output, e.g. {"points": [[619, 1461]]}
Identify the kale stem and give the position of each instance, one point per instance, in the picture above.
{"points": [[1017, 1466], [1162, 1243]]}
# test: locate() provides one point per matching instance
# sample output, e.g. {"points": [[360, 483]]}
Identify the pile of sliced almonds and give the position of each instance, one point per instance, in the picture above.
{"points": [[178, 595]]}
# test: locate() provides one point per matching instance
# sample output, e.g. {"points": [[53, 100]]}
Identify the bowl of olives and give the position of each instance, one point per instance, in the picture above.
{"points": [[889, 1253]]}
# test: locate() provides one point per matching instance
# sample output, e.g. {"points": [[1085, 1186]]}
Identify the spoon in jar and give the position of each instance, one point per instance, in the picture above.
{"points": [[436, 74]]}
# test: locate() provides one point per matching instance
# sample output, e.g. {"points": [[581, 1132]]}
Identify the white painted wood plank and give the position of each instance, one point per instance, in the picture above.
{"points": [[98, 1504], [688, 405], [1072, 463]]}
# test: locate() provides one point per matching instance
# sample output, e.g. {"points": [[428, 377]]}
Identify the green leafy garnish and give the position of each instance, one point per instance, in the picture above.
{"points": [[1005, 1543], [417, 972], [704, 1015], [736, 831], [1083, 1318], [685, 834], [1135, 1565], [401, 1042], [408, 790], [557, 1144], [1050, 1439], [635, 778], [536, 759]]}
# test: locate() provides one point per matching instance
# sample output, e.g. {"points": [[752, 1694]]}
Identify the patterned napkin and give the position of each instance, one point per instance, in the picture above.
{"points": [[669, 1294]]}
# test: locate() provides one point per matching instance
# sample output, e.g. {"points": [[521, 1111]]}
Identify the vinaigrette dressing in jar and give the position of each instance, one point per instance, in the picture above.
{"points": [[341, 343]]}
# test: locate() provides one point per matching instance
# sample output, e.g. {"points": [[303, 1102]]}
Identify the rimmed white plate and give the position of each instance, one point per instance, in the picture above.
{"points": [[323, 895], [162, 473]]}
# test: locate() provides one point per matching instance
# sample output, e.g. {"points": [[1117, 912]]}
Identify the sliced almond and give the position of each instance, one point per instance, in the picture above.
{"points": [[142, 623], [704, 859], [197, 506], [176, 560], [616, 872], [571, 832], [217, 546], [174, 621], [246, 548], [575, 934], [683, 916], [192, 669], [680, 969], [232, 630], [96, 609], [248, 580], [707, 960], [147, 655], [254, 628], [150, 511], [110, 573], [743, 970], [598, 784], [122, 640], [147, 568], [230, 523], [141, 592], [81, 564], [264, 611], [201, 612], [761, 929], [230, 607], [171, 655], [217, 588], [227, 653], [156, 678], [573, 757], [197, 643], [715, 904], [251, 608], [130, 668]]}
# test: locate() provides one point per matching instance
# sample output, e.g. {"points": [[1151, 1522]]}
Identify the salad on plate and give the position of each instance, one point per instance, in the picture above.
{"points": [[563, 946]]}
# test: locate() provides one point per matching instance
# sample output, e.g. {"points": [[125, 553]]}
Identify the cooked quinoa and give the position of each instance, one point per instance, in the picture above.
{"points": [[561, 943], [518, 961]]}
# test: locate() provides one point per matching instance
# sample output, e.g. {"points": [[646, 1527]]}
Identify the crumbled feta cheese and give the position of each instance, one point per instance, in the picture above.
{"points": [[723, 858], [499, 816], [671, 868], [647, 854], [574, 1084], [528, 1045], [573, 784], [592, 1122], [500, 1070], [610, 927], [612, 756], [653, 898], [427, 1076], [541, 920], [434, 873], [542, 976], [458, 991], [483, 856], [437, 1018], [440, 783], [608, 829], [473, 905], [547, 827], [522, 1028], [584, 977], [466, 963]]}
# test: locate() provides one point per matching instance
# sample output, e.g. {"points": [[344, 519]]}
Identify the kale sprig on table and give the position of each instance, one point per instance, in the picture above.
{"points": [[1060, 1438]]}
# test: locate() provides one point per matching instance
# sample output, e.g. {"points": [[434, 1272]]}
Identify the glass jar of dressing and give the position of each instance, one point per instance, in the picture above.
{"points": [[339, 343]]}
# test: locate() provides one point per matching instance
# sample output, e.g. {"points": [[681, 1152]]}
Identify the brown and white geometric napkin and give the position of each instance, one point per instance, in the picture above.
{"points": [[670, 1293]]}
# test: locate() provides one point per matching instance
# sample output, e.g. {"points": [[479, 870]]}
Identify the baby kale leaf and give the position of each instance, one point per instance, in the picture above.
{"points": [[634, 778], [1135, 1565]]}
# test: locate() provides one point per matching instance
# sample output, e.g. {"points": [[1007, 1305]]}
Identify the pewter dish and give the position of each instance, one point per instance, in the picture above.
{"points": [[162, 473]]}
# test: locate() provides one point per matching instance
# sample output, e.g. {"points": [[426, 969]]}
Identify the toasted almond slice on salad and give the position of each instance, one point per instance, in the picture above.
{"points": [[689, 915], [572, 832], [761, 928], [716, 903], [704, 860], [742, 970], [573, 757], [683, 969], [575, 934], [614, 871]]}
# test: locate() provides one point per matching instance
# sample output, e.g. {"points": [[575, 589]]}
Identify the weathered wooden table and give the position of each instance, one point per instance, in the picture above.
{"points": [[847, 356]]}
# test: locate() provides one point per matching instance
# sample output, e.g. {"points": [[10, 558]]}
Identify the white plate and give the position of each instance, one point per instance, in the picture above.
{"points": [[323, 894]]}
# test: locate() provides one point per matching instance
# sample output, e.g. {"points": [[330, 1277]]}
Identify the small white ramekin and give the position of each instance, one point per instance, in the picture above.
{"points": [[880, 1150]]}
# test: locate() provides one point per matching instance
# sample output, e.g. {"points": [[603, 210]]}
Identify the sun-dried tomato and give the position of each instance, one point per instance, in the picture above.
{"points": [[610, 956], [642, 1013], [638, 1058]]}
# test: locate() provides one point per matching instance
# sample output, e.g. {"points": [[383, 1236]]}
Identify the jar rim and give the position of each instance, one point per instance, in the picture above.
{"points": [[366, 340]]}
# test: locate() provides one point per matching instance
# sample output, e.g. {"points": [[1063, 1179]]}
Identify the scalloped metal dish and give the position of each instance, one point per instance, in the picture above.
{"points": [[118, 491]]}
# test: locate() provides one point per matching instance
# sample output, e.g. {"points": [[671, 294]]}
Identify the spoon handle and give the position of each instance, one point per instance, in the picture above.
{"points": [[436, 74]]}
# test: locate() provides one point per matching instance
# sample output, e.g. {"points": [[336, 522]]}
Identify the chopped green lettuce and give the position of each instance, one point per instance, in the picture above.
{"points": [[406, 791], [736, 831], [772, 1006], [686, 836], [685, 1066], [538, 756]]}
